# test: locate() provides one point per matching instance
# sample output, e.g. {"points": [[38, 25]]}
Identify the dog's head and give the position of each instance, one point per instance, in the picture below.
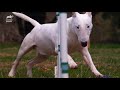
{"points": [[82, 24]]}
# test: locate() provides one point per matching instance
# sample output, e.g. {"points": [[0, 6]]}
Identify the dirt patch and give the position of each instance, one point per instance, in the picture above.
{"points": [[9, 64], [7, 54], [4, 64], [46, 66]]}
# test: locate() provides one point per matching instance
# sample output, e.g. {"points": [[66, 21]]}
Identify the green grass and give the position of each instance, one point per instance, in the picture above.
{"points": [[106, 58]]}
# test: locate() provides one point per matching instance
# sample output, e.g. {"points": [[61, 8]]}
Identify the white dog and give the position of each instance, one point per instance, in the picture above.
{"points": [[44, 39]]}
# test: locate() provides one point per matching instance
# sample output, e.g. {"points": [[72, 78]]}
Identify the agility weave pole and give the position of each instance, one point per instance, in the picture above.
{"points": [[61, 70]]}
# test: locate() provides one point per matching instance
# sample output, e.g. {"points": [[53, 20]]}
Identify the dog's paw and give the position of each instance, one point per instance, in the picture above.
{"points": [[105, 76], [12, 73], [73, 65], [29, 74]]}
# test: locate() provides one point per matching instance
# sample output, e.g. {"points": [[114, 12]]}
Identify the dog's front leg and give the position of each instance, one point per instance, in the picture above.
{"points": [[87, 57], [71, 62]]}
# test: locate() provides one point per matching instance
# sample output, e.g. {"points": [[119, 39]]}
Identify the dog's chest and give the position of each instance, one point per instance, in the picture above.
{"points": [[73, 44]]}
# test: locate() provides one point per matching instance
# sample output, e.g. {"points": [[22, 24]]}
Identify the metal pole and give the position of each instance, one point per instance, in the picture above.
{"points": [[63, 43], [58, 68], [61, 70]]}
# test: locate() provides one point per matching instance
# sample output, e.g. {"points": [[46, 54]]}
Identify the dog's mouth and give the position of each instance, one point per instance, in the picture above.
{"points": [[84, 44]]}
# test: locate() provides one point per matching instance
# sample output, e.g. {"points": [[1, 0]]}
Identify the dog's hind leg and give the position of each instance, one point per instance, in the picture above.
{"points": [[38, 59], [26, 46]]}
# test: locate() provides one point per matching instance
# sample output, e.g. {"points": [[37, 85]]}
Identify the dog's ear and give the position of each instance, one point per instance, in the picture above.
{"points": [[89, 13], [74, 14]]}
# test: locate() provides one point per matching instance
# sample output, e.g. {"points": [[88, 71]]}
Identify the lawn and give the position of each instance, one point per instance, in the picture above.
{"points": [[106, 58]]}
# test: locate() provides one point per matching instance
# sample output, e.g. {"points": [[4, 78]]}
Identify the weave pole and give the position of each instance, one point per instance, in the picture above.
{"points": [[61, 70]]}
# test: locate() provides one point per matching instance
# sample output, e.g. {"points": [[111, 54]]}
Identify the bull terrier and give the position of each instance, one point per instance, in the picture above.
{"points": [[43, 37]]}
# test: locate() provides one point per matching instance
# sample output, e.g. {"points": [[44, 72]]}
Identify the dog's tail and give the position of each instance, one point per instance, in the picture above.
{"points": [[26, 18]]}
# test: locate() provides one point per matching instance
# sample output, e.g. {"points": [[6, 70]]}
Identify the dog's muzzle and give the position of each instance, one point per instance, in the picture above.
{"points": [[84, 44]]}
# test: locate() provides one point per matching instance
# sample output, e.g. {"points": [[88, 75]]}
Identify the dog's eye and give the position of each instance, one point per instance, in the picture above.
{"points": [[78, 27], [88, 26]]}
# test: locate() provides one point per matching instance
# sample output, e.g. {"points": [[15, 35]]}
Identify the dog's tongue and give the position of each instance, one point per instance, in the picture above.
{"points": [[84, 44]]}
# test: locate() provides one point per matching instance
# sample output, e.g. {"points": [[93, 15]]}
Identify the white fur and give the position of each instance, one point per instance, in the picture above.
{"points": [[44, 39]]}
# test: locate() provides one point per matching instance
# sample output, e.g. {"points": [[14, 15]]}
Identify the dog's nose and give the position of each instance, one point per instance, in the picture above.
{"points": [[84, 44]]}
